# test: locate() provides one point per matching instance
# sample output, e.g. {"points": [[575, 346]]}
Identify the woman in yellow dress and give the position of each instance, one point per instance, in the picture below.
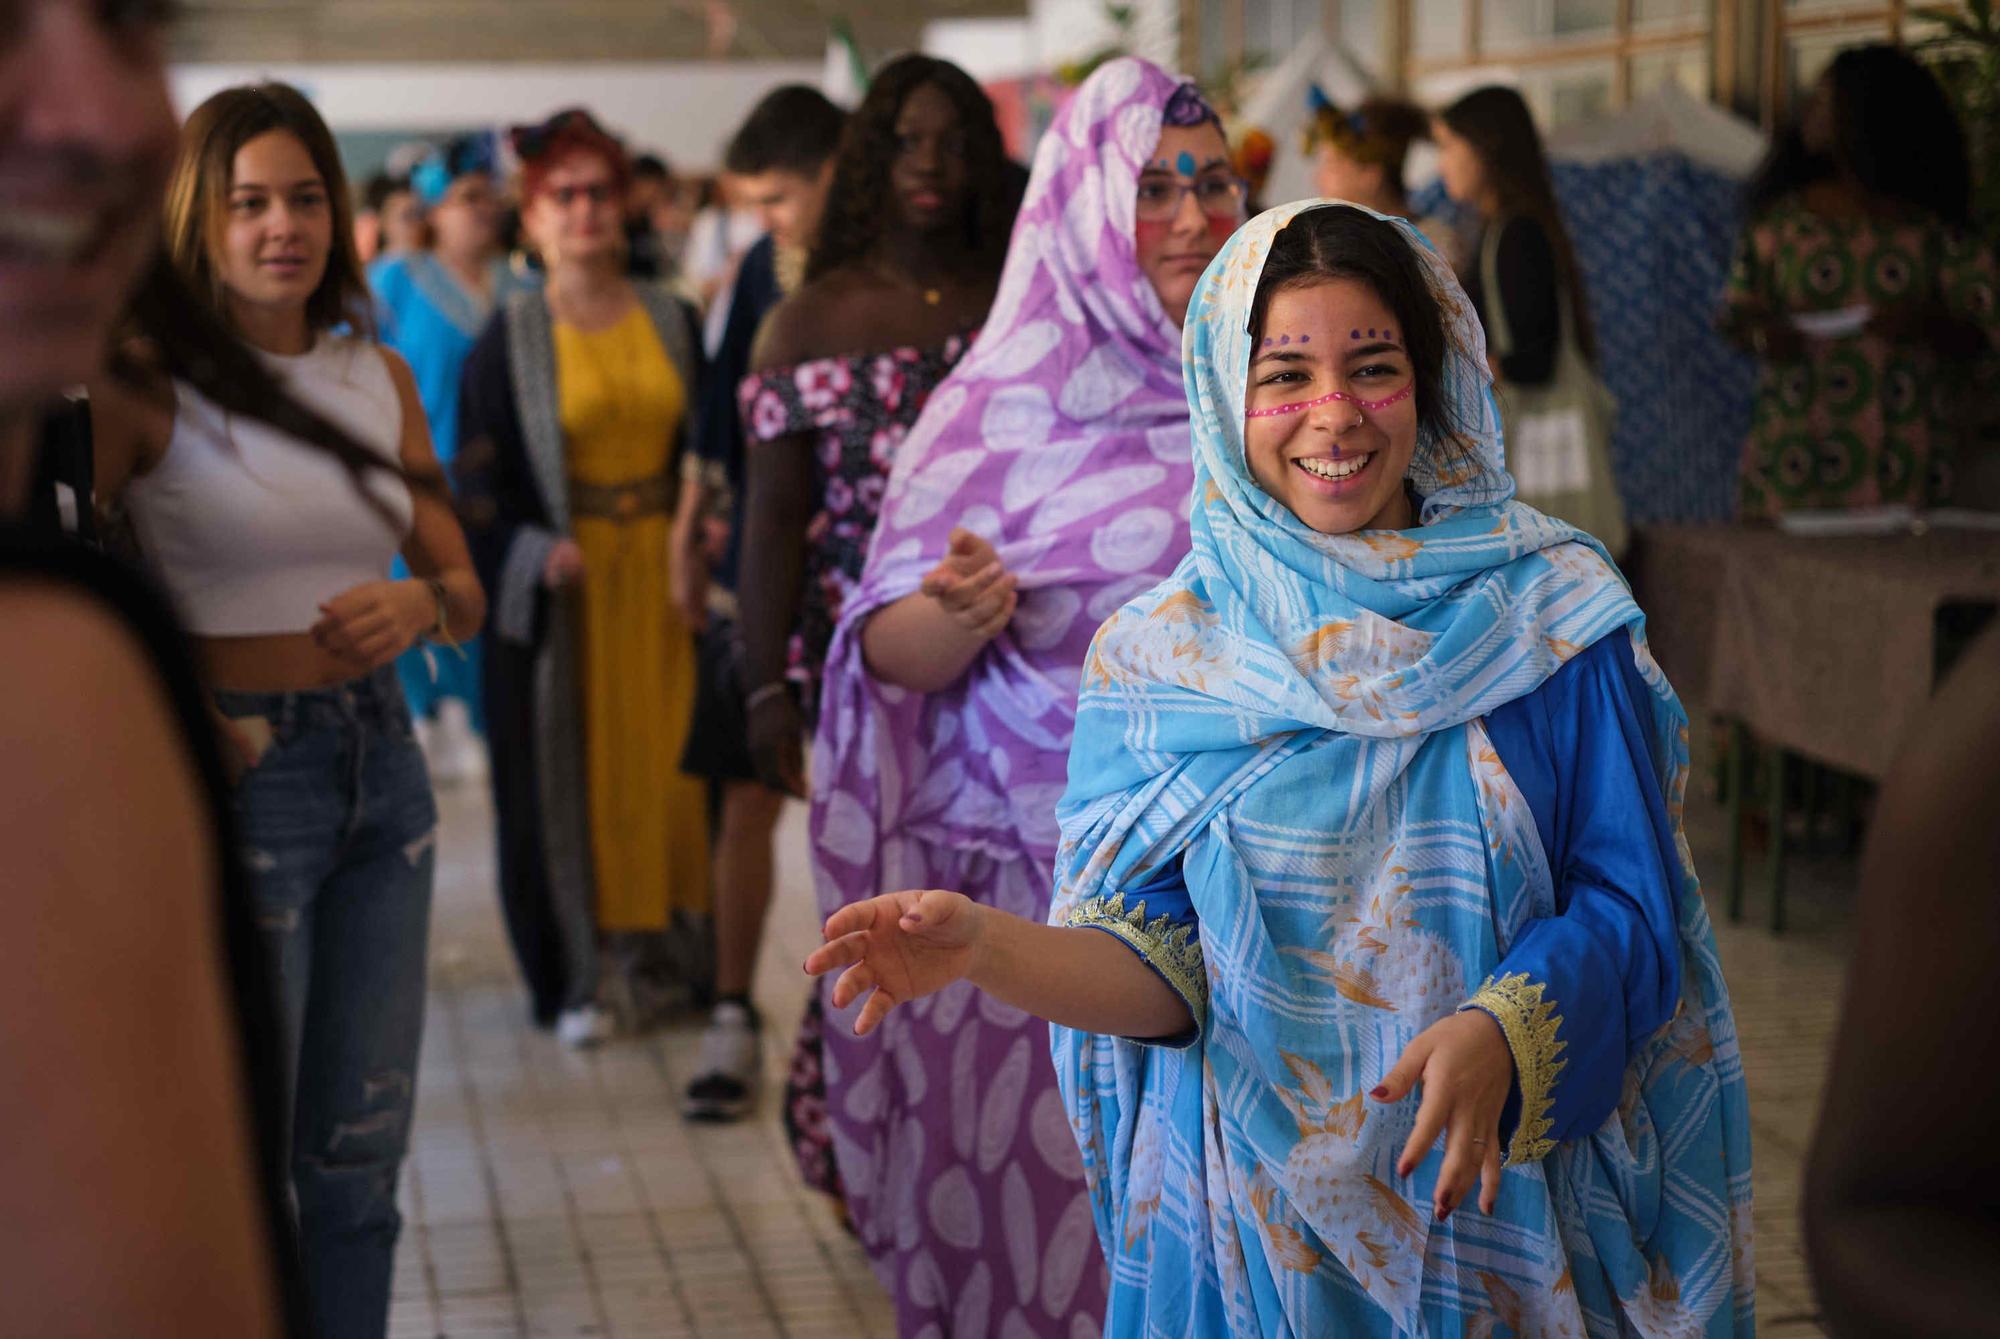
{"points": [[576, 410]]}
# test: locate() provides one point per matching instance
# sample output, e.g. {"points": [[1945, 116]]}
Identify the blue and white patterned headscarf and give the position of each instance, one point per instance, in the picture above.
{"points": [[1296, 716]]}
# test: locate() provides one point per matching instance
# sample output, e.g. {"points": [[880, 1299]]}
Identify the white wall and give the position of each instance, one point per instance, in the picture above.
{"points": [[685, 111], [1055, 31], [986, 49]]}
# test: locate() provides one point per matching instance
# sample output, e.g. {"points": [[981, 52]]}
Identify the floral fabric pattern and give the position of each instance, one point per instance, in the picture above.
{"points": [[858, 408]]}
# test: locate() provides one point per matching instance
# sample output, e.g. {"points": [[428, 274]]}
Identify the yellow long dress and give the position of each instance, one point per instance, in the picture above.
{"points": [[621, 403]]}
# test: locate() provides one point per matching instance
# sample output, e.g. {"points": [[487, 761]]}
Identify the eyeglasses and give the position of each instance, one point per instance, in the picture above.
{"points": [[597, 192], [1217, 196]]}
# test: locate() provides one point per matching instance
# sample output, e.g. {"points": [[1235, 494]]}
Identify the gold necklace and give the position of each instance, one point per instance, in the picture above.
{"points": [[932, 296]]}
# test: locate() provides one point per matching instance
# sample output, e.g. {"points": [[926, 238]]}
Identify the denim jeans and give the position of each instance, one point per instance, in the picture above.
{"points": [[339, 832]]}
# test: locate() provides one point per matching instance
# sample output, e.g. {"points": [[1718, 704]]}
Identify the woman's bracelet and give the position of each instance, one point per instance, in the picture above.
{"points": [[759, 696], [441, 629]]}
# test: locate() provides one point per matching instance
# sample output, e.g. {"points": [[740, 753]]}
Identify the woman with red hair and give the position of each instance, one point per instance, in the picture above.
{"points": [[576, 408]]}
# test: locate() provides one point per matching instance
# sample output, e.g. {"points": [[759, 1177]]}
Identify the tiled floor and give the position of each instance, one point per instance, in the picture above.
{"points": [[557, 1193], [552, 1193]]}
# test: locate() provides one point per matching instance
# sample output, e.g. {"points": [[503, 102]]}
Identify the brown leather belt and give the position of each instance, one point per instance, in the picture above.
{"points": [[622, 502]]}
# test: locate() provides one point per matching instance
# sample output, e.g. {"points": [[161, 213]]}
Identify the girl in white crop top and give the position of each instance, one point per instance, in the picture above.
{"points": [[278, 560], [275, 560]]}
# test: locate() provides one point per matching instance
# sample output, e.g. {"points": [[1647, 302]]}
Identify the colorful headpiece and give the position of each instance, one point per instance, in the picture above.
{"points": [[1349, 132], [464, 154], [1187, 107]]}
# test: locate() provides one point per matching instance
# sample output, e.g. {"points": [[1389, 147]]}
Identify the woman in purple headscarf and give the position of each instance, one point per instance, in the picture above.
{"points": [[1046, 483]]}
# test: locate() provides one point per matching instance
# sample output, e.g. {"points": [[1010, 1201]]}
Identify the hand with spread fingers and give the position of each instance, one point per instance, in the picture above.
{"points": [[974, 586], [1467, 1072], [897, 948]]}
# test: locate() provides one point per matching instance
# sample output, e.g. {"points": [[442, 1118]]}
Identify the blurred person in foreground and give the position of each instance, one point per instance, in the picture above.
{"points": [[150, 1162], [280, 568], [431, 307], [783, 158], [127, 1136], [1523, 280], [577, 405], [1903, 1233], [1862, 291]]}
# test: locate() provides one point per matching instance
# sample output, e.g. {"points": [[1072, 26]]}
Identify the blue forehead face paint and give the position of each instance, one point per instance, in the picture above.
{"points": [[1185, 163]]}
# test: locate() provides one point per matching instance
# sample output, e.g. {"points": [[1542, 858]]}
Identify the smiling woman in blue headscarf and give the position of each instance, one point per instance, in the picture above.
{"points": [[1372, 887]]}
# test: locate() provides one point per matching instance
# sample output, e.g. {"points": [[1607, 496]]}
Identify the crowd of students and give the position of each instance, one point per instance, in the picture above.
{"points": [[1248, 831]]}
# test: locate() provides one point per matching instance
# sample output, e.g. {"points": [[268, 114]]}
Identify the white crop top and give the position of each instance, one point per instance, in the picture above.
{"points": [[250, 530]]}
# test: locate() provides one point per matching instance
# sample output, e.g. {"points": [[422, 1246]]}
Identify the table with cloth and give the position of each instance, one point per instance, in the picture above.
{"points": [[1821, 648]]}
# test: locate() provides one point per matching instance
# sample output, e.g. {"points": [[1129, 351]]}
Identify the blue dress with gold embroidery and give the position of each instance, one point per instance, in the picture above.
{"points": [[1608, 959]]}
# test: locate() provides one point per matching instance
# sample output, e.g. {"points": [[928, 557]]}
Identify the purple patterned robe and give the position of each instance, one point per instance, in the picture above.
{"points": [[1062, 438]]}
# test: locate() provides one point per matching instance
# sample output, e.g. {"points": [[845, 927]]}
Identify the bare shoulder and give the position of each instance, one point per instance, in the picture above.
{"points": [[399, 369], [815, 322]]}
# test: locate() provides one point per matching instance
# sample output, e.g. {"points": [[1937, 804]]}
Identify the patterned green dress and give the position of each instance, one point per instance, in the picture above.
{"points": [[1858, 419]]}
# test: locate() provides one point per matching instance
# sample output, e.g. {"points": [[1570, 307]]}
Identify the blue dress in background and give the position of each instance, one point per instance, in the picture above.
{"points": [[426, 315]]}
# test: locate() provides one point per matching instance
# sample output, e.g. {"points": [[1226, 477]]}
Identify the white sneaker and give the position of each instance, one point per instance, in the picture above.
{"points": [[725, 1082], [584, 1027], [459, 754]]}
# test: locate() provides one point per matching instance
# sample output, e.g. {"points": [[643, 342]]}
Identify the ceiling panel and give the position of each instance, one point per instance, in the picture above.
{"points": [[548, 30]]}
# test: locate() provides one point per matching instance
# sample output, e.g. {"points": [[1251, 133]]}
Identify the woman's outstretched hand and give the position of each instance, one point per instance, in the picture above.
{"points": [[901, 946], [1467, 1073]]}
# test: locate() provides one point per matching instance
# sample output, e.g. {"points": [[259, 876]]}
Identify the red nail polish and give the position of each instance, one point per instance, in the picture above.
{"points": [[1381, 1093]]}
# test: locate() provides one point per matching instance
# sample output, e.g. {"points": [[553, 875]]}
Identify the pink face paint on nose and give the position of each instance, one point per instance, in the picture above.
{"points": [[1369, 405]]}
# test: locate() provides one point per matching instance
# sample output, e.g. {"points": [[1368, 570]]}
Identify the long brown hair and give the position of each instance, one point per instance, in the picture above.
{"points": [[177, 334], [198, 196], [857, 203], [1496, 122]]}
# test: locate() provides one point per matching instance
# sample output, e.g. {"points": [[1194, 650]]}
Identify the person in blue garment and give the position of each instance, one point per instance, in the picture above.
{"points": [[1372, 887], [432, 305]]}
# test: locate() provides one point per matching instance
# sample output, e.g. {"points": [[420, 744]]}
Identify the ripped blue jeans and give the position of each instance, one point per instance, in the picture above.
{"points": [[339, 831]]}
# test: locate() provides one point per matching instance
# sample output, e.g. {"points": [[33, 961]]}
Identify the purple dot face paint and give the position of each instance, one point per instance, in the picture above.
{"points": [[1367, 406]]}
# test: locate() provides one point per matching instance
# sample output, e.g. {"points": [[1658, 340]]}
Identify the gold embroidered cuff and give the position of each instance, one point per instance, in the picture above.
{"points": [[1530, 1024], [1171, 950]]}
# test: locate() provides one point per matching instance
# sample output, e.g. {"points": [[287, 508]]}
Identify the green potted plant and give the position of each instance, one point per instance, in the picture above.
{"points": [[1965, 55]]}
